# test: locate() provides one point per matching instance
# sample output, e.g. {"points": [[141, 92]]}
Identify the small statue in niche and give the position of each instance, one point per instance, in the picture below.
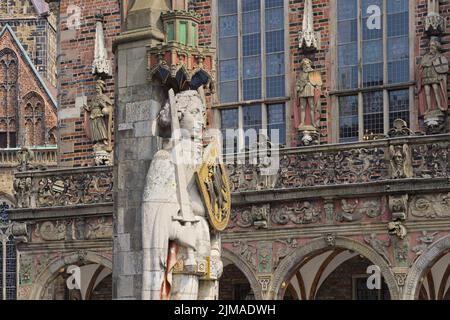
{"points": [[434, 68], [308, 86], [100, 120]]}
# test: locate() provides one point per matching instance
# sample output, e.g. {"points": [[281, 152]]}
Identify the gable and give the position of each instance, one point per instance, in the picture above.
{"points": [[7, 31]]}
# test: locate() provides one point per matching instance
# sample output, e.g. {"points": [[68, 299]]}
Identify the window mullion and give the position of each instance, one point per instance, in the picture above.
{"points": [[240, 59], [263, 49], [360, 75], [385, 69]]}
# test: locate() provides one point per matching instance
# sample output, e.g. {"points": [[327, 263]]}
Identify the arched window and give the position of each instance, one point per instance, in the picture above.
{"points": [[9, 71], [33, 119], [8, 261]]}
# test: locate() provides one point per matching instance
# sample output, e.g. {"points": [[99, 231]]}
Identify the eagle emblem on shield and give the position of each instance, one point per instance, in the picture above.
{"points": [[212, 180]]}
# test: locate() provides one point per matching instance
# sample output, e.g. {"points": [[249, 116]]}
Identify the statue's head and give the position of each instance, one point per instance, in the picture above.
{"points": [[191, 114], [435, 45], [306, 65]]}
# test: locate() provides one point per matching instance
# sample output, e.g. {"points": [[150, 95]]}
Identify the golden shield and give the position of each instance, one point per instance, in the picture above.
{"points": [[212, 180], [315, 78]]}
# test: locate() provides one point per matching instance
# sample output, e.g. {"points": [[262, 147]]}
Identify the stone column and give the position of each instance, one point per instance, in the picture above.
{"points": [[137, 103]]}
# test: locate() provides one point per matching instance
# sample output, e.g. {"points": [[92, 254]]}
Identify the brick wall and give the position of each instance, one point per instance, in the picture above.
{"points": [[233, 284], [28, 84], [76, 82], [36, 33], [339, 284]]}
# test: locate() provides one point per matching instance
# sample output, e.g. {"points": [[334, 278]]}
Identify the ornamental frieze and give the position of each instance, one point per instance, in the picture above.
{"points": [[338, 165], [63, 188], [73, 229], [430, 206], [431, 160]]}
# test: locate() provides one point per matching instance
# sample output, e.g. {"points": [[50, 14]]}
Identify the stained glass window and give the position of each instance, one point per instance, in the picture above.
{"points": [[251, 46], [8, 286], [363, 62]]}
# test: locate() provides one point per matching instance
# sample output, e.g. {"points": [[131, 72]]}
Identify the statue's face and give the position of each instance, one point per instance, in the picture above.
{"points": [[433, 47], [306, 66], [192, 121]]}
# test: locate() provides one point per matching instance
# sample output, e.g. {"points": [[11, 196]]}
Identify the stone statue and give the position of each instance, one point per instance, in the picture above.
{"points": [[178, 243], [434, 68], [400, 161], [309, 85], [100, 121], [25, 156]]}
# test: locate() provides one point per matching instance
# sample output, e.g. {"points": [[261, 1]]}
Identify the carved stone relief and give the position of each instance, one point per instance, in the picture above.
{"points": [[431, 160], [380, 246], [73, 229], [430, 206], [282, 249], [247, 252], [265, 257], [423, 242], [296, 213], [354, 210], [400, 160]]}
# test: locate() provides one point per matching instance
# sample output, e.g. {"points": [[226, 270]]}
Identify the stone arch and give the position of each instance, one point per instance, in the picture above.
{"points": [[245, 269], [51, 271], [421, 265], [288, 265]]}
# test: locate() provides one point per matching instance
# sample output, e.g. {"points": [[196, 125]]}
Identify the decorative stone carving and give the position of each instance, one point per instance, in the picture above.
{"points": [[435, 122], [352, 210], [26, 267], [100, 123], [400, 159], [297, 213], [398, 229], [247, 252], [401, 251], [400, 129], [308, 38], [430, 206], [309, 89], [329, 210], [424, 241], [431, 160], [25, 156], [101, 66], [434, 22], [380, 246], [99, 229], [22, 192], [51, 231], [257, 216], [331, 167], [398, 205], [264, 281], [330, 239], [400, 275], [283, 250], [265, 257]]}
